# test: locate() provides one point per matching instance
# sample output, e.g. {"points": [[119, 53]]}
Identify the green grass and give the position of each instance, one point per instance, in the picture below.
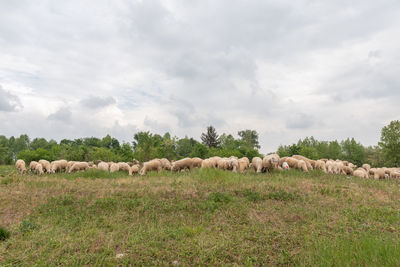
{"points": [[207, 217]]}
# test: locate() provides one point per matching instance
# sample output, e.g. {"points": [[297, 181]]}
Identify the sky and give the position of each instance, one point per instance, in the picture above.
{"points": [[285, 68]]}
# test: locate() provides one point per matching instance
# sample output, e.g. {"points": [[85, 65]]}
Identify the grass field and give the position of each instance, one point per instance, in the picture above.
{"points": [[207, 217]]}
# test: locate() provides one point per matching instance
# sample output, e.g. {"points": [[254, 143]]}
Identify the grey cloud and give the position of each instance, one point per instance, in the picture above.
{"points": [[300, 121], [8, 101], [63, 114], [155, 125], [216, 62], [95, 102]]}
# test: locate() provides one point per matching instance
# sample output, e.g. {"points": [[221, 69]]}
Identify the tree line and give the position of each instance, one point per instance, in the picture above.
{"points": [[147, 145]]}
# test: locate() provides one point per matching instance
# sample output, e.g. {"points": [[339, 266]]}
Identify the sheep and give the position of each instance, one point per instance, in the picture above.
{"points": [[367, 167], [214, 161], [179, 165], [207, 163], [39, 169], [257, 163], [395, 175], [58, 165], [339, 167], [114, 167], [306, 160], [301, 165], [233, 164], [197, 162], [351, 165], [270, 162], [123, 166], [69, 165], [320, 165], [21, 166], [152, 165], [285, 166], [79, 166], [246, 160], [223, 164], [32, 165], [282, 160], [330, 167], [361, 172], [347, 170], [134, 169], [103, 166], [379, 174], [243, 164], [166, 165], [296, 164], [46, 165]]}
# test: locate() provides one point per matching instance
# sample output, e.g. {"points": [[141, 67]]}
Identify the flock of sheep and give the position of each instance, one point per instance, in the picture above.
{"points": [[234, 164]]}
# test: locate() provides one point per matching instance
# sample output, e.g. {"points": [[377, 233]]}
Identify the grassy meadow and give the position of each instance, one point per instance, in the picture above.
{"points": [[207, 217]]}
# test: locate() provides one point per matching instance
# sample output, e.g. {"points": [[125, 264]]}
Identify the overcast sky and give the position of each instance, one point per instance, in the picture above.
{"points": [[288, 69]]}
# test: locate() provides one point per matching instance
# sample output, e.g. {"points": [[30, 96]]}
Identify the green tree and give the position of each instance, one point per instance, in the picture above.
{"points": [[185, 146], [210, 138], [249, 138], [390, 143], [353, 151], [199, 150]]}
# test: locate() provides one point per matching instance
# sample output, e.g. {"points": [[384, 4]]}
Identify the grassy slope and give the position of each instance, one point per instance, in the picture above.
{"points": [[208, 217]]}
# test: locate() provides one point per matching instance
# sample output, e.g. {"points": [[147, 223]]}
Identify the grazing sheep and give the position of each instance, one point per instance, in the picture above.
{"points": [[366, 167], [46, 165], [351, 165], [233, 164], [207, 163], [301, 165], [270, 162], [257, 163], [21, 166], [197, 162], [58, 165], [223, 164], [165, 164], [296, 164], [69, 165], [306, 160], [330, 167], [285, 166], [152, 165], [379, 174], [361, 172], [243, 164], [320, 165], [282, 160], [179, 165], [32, 165], [214, 161], [134, 169], [103, 166], [114, 167], [395, 175], [39, 169], [347, 170], [123, 166], [79, 166]]}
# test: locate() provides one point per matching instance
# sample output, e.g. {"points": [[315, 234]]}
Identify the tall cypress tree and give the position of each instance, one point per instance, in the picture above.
{"points": [[210, 138]]}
